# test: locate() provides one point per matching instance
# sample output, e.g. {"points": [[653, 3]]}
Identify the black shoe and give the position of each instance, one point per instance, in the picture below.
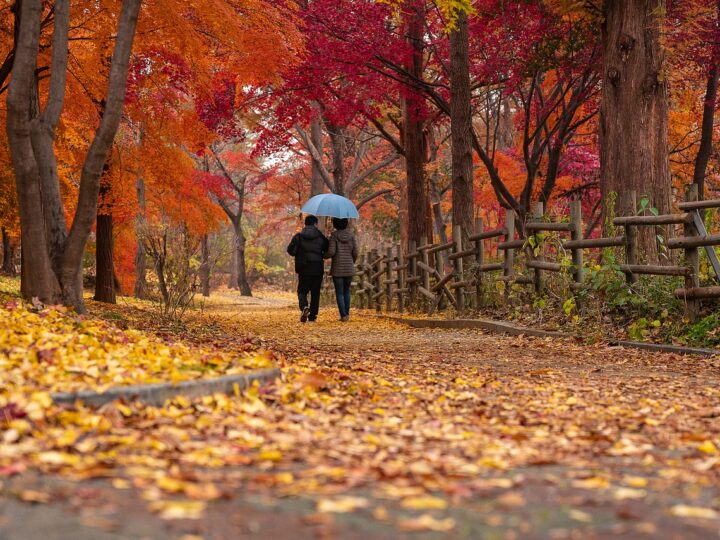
{"points": [[305, 313]]}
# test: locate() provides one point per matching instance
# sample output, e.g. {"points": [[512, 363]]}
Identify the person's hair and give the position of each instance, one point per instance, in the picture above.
{"points": [[311, 220], [340, 223]]}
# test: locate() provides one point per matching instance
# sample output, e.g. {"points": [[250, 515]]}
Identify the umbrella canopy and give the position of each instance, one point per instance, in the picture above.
{"points": [[329, 204]]}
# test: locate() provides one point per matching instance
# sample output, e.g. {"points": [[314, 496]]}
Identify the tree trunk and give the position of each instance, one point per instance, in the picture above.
{"points": [[58, 280], [337, 136], [98, 153], [205, 267], [8, 263], [417, 196], [460, 128], [242, 282], [634, 110], [42, 132], [403, 210], [706, 135], [104, 264], [233, 281], [38, 279], [141, 288], [316, 136]]}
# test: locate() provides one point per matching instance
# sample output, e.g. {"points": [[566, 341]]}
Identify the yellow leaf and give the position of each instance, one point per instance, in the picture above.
{"points": [[636, 481], [171, 485], [623, 493], [270, 455], [682, 510], [424, 503], [427, 523], [708, 447], [179, 509], [595, 482], [579, 515], [341, 505]]}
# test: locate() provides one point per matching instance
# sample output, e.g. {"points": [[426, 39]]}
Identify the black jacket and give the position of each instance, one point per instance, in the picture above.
{"points": [[308, 247]]}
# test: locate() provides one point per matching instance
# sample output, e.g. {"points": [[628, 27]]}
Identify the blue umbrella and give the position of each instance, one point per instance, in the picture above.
{"points": [[329, 204]]}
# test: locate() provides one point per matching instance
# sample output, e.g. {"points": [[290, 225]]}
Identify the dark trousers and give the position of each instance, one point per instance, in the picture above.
{"points": [[342, 294], [309, 284]]}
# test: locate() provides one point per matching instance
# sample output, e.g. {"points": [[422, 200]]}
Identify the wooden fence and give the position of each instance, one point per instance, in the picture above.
{"points": [[456, 273]]}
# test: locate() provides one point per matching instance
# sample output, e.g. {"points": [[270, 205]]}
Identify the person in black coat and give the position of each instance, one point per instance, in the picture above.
{"points": [[308, 247]]}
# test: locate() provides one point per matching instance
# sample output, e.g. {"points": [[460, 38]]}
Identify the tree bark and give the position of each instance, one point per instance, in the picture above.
{"points": [[141, 287], [337, 139], [104, 264], [8, 262], [242, 281], [706, 135], [233, 281], [42, 131], [38, 279], [205, 267], [634, 110], [71, 265], [417, 196], [316, 136], [461, 128]]}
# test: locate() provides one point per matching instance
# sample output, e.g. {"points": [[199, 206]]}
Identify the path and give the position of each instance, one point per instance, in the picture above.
{"points": [[467, 434]]}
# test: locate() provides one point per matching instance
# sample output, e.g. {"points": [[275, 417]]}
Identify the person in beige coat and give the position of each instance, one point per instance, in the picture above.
{"points": [[343, 251]]}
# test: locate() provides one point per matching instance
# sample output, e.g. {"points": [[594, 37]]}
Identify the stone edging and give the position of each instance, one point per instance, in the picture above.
{"points": [[511, 329], [158, 394]]}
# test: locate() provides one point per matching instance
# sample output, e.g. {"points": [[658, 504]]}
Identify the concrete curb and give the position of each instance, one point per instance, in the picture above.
{"points": [[659, 347], [482, 324], [511, 329], [158, 394]]}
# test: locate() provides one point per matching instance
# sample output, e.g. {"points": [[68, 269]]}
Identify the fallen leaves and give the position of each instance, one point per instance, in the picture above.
{"points": [[366, 413], [50, 349]]}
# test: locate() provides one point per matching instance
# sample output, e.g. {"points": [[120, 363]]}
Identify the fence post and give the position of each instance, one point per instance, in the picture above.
{"points": [[412, 271], [631, 237], [479, 261], [400, 278], [368, 281], [509, 253], [576, 234], [458, 267], [376, 280], [358, 280], [426, 275], [692, 260], [439, 267], [537, 216], [388, 278]]}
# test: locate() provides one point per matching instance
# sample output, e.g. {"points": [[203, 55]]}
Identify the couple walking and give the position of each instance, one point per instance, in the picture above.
{"points": [[310, 248]]}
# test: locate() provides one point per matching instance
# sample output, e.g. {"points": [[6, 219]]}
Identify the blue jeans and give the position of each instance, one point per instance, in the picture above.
{"points": [[342, 294]]}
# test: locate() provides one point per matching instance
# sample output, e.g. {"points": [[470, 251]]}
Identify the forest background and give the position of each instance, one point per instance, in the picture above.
{"points": [[159, 150]]}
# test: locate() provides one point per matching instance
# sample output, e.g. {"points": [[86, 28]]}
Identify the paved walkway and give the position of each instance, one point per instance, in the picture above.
{"points": [[455, 434]]}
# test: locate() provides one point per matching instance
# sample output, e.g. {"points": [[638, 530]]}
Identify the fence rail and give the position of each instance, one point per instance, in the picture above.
{"points": [[455, 273]]}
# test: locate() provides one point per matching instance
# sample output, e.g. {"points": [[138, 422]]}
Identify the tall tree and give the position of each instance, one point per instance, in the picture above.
{"points": [[414, 142], [54, 261], [461, 126], [634, 109]]}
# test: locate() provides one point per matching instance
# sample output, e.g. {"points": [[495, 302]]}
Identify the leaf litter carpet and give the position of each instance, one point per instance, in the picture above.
{"points": [[381, 431]]}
